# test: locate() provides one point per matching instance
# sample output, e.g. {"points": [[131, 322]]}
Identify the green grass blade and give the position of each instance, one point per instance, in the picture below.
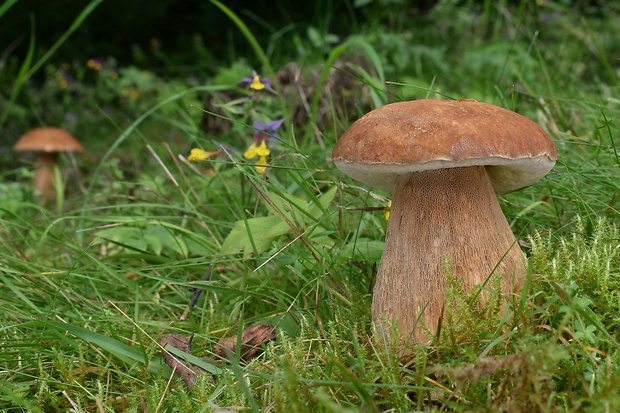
{"points": [[118, 349], [23, 70], [258, 50], [74, 26], [7, 282], [6, 6]]}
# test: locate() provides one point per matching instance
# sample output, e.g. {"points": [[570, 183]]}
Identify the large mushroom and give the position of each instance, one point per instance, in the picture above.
{"points": [[47, 143], [444, 161]]}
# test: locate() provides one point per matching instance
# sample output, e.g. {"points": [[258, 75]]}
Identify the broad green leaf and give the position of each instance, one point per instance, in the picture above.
{"points": [[153, 242], [197, 361], [120, 234], [323, 240], [361, 249], [167, 240], [128, 237], [300, 211], [292, 207], [258, 232], [324, 200], [118, 349]]}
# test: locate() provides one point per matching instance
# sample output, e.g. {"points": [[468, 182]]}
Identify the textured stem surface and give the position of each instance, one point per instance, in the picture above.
{"points": [[448, 214], [44, 178]]}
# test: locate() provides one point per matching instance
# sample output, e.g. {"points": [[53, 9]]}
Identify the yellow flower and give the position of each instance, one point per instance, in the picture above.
{"points": [[256, 84], [131, 92], [387, 214], [95, 64], [197, 155], [254, 151], [262, 151], [251, 152], [261, 165]]}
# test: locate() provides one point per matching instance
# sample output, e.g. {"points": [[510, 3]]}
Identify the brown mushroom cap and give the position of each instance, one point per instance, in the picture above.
{"points": [[47, 139], [423, 135]]}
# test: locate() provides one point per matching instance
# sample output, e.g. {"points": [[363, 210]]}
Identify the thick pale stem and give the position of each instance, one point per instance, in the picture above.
{"points": [[450, 213], [44, 178]]}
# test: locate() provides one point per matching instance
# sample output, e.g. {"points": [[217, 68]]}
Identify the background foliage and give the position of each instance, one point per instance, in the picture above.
{"points": [[90, 284]]}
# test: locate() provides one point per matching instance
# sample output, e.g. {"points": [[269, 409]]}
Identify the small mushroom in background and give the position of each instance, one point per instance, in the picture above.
{"points": [[445, 161], [47, 143]]}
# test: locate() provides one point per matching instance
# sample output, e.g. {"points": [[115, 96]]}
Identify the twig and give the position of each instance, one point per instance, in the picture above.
{"points": [[176, 163]]}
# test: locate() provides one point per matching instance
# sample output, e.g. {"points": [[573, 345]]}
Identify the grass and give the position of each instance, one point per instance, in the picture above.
{"points": [[88, 292]]}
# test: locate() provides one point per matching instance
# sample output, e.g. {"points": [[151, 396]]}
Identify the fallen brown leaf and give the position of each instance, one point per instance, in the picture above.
{"points": [[252, 340], [179, 341]]}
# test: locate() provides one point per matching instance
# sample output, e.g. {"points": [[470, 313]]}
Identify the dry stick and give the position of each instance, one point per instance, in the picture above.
{"points": [[278, 252], [75, 406], [165, 168], [100, 408], [189, 164], [176, 163], [161, 400]]}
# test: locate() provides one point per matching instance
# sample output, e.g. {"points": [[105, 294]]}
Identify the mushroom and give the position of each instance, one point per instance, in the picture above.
{"points": [[444, 161], [47, 143]]}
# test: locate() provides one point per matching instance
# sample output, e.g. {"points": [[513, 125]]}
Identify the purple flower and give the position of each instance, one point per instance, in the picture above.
{"points": [[548, 17], [256, 82], [71, 118], [268, 128], [64, 78], [96, 63]]}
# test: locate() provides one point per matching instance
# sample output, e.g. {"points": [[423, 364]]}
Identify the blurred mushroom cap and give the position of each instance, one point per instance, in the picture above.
{"points": [[48, 139]]}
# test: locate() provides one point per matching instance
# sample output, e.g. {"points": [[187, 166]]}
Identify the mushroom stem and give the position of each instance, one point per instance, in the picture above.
{"points": [[44, 178], [448, 213]]}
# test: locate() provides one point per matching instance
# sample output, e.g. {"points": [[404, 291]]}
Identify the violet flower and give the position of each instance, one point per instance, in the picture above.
{"points": [[269, 129], [256, 82]]}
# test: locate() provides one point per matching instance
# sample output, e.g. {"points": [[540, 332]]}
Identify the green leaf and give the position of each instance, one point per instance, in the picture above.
{"points": [[324, 200], [120, 234], [361, 249], [299, 211], [118, 349], [154, 242], [292, 207], [254, 232], [163, 237], [197, 361]]}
